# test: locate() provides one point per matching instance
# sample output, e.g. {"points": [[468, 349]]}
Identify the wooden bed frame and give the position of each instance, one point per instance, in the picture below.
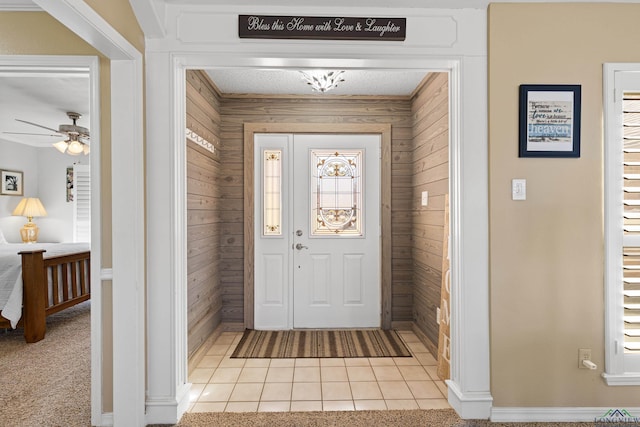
{"points": [[71, 271]]}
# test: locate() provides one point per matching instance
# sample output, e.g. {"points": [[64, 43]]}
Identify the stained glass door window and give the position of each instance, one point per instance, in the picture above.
{"points": [[336, 188], [272, 193]]}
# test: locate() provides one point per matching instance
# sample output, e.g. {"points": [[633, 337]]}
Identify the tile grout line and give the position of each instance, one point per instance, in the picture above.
{"points": [[323, 383]]}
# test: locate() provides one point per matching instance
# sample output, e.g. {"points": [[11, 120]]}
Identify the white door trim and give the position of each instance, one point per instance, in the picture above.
{"points": [[127, 205]]}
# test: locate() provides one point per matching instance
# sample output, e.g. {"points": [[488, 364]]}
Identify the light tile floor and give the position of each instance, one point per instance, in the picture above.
{"points": [[220, 383]]}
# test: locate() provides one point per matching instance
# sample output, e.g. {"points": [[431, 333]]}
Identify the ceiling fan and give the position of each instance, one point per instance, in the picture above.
{"points": [[77, 141]]}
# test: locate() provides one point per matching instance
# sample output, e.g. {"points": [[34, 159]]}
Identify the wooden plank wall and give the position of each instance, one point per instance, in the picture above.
{"points": [[236, 111], [430, 172], [204, 197]]}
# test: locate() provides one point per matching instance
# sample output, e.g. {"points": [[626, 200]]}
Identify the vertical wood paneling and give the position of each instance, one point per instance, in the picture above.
{"points": [[429, 166], [204, 197], [236, 111]]}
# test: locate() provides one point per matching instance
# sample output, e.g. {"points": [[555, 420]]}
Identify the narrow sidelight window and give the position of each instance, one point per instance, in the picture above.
{"points": [[272, 193]]}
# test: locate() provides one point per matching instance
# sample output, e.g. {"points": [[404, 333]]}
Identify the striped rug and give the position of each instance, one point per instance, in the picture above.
{"points": [[320, 343]]}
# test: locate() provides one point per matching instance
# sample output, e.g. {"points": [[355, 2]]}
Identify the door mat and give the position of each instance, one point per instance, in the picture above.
{"points": [[320, 343]]}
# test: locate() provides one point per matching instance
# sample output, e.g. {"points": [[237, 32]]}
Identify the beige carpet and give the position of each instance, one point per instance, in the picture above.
{"points": [[408, 418], [48, 383], [320, 343]]}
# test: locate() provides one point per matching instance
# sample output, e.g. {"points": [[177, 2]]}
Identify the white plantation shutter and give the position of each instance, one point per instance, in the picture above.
{"points": [[82, 203], [622, 226], [631, 221]]}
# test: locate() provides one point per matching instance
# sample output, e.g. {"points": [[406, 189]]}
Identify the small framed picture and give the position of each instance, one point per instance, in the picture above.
{"points": [[550, 120], [70, 184], [11, 183]]}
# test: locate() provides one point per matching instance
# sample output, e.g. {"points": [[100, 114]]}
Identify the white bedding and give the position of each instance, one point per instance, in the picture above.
{"points": [[11, 273]]}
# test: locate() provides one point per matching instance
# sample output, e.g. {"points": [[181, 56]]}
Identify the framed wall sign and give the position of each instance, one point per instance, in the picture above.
{"points": [[550, 120], [10, 183], [321, 27]]}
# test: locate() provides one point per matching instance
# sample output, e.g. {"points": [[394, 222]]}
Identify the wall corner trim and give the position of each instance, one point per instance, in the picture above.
{"points": [[470, 405], [164, 410]]}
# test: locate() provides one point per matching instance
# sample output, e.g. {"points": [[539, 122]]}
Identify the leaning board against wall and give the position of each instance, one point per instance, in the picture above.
{"points": [[444, 341]]}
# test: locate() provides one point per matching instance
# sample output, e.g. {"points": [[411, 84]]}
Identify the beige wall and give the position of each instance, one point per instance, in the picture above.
{"points": [[34, 33], [547, 252], [119, 15]]}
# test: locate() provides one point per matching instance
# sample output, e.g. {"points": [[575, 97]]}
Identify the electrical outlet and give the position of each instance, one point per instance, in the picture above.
{"points": [[438, 315], [583, 354], [425, 198]]}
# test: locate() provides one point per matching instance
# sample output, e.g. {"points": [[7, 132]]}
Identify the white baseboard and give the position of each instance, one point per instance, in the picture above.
{"points": [[168, 411], [106, 420], [469, 405], [561, 414]]}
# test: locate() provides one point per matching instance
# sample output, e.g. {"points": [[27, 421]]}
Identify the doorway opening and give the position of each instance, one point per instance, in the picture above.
{"points": [[41, 89], [422, 129]]}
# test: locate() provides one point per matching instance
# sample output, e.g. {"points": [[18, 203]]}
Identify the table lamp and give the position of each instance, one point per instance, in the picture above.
{"points": [[30, 207]]}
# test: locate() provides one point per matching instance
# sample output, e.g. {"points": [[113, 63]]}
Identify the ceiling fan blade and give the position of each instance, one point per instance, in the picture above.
{"points": [[40, 126], [58, 135]]}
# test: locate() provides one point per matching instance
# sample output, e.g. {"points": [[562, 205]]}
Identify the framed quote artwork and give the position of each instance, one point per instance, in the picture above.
{"points": [[550, 120]]}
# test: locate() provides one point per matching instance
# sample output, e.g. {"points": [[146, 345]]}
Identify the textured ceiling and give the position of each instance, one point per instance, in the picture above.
{"points": [[291, 82]]}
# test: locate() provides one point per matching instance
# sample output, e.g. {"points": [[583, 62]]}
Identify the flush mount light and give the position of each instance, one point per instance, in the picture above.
{"points": [[322, 80]]}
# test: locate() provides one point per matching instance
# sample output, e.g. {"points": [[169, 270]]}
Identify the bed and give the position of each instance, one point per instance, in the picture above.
{"points": [[40, 279]]}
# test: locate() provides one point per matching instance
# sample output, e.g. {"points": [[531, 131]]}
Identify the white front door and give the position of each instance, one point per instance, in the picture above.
{"points": [[317, 231], [336, 216]]}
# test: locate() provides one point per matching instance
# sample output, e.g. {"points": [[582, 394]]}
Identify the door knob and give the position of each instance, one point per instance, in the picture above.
{"points": [[300, 246]]}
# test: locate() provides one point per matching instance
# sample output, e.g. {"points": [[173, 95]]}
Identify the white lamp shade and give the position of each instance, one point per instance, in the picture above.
{"points": [[30, 207]]}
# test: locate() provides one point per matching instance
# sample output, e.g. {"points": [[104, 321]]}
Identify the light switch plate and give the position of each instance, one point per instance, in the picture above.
{"points": [[518, 189], [425, 198]]}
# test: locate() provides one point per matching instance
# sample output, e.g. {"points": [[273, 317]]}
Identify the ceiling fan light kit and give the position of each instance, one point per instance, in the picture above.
{"points": [[73, 145], [77, 141]]}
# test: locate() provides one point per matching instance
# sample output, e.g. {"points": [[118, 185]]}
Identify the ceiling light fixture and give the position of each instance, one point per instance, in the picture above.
{"points": [[72, 146], [322, 81]]}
